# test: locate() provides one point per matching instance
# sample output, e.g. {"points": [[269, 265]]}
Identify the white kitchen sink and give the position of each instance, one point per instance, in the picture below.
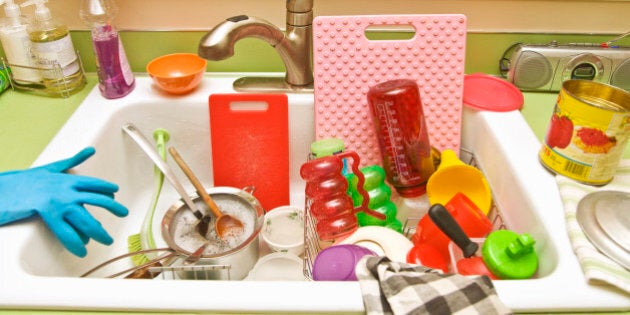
{"points": [[36, 272]]}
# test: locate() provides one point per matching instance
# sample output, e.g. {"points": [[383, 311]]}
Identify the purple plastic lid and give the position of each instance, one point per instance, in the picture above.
{"points": [[359, 251], [337, 263]]}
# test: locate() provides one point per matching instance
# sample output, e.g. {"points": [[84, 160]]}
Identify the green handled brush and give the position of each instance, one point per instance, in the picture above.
{"points": [[144, 239]]}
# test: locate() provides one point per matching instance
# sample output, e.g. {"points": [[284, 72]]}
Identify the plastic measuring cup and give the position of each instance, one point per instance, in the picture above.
{"points": [[402, 134], [453, 176]]}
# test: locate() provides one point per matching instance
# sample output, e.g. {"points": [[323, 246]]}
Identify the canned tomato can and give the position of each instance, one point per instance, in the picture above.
{"points": [[588, 132]]}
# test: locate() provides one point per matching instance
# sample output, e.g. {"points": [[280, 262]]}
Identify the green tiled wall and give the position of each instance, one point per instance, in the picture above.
{"points": [[483, 50]]}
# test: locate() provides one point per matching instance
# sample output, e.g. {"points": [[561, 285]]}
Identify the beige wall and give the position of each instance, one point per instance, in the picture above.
{"points": [[545, 16]]}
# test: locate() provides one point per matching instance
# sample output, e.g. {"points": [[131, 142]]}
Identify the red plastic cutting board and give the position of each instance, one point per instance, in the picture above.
{"points": [[250, 144]]}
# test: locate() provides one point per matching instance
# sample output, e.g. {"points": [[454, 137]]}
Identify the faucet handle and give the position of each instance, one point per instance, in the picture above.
{"points": [[237, 18]]}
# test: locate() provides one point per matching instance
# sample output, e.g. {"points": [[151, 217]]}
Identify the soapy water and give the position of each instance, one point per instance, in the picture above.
{"points": [[185, 234]]}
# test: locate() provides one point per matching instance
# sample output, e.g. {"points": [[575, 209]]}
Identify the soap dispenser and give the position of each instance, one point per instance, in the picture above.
{"points": [[54, 51], [114, 73], [17, 46]]}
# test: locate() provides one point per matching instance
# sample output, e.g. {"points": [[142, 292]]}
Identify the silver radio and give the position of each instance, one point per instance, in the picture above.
{"points": [[545, 67]]}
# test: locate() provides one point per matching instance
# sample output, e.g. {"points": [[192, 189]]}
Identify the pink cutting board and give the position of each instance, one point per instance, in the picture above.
{"points": [[250, 144], [346, 64]]}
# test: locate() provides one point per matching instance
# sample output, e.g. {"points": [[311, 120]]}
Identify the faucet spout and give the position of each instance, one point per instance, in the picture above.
{"points": [[295, 45], [218, 44]]}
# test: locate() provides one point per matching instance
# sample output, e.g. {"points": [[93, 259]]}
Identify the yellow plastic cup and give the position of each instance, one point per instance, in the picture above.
{"points": [[453, 176]]}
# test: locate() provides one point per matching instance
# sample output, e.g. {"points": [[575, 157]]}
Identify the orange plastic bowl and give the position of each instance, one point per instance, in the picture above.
{"points": [[177, 73]]}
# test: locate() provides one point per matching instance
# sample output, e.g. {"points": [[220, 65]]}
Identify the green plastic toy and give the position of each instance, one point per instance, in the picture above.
{"points": [[510, 255], [380, 198]]}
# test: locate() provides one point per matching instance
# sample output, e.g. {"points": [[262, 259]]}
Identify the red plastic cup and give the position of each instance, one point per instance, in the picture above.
{"points": [[472, 221], [426, 255]]}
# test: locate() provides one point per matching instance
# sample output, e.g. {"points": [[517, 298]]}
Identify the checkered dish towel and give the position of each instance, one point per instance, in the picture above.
{"points": [[398, 288], [595, 265]]}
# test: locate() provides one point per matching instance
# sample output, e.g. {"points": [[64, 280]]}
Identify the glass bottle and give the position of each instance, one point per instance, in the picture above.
{"points": [[54, 52], [402, 134], [17, 45], [115, 78]]}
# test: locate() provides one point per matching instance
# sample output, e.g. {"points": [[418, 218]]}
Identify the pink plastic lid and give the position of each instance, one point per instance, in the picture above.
{"points": [[485, 92]]}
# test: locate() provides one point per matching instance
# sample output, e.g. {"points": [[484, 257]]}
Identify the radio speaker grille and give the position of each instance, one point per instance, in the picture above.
{"points": [[532, 71]]}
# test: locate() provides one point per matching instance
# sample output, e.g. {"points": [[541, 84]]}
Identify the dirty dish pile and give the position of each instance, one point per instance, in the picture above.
{"points": [[178, 73], [461, 188], [452, 184]]}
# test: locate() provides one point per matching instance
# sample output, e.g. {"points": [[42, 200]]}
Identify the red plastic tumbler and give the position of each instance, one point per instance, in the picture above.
{"points": [[326, 197]]}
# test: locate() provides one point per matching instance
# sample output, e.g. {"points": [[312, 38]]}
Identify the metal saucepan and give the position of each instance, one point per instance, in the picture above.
{"points": [[236, 255]]}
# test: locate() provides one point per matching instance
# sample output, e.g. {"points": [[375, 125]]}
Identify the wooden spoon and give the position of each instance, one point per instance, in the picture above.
{"points": [[225, 224]]}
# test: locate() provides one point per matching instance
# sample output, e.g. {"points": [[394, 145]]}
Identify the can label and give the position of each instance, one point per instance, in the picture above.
{"points": [[586, 137]]}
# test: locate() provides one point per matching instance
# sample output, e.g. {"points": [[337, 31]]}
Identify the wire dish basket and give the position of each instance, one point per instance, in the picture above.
{"points": [[311, 241], [168, 265], [56, 84], [192, 272]]}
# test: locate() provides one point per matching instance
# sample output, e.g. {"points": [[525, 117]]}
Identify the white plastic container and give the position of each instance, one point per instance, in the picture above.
{"points": [[283, 230], [278, 266]]}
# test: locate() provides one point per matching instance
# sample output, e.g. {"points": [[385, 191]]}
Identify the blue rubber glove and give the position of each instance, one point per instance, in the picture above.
{"points": [[59, 199]]}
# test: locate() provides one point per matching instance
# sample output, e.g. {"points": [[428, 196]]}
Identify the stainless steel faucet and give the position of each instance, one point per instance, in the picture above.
{"points": [[295, 47]]}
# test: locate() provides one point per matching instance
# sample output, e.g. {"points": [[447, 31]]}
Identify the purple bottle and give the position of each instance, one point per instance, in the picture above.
{"points": [[115, 78]]}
